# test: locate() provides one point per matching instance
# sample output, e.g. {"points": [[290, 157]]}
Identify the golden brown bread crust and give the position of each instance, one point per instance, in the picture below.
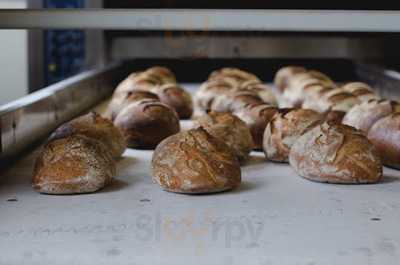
{"points": [[146, 123], [385, 136], [361, 90], [334, 116], [94, 126], [263, 91], [283, 130], [195, 162], [284, 74], [335, 153], [121, 99], [229, 129], [337, 100], [73, 164], [234, 74], [177, 98], [364, 115], [163, 73], [232, 100], [256, 118]]}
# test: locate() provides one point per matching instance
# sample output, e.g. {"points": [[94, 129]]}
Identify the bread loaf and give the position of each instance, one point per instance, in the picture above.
{"points": [[177, 98], [229, 129], [207, 92], [385, 136], [286, 73], [233, 100], [362, 91], [283, 130], [195, 162], [256, 118], [233, 73], [96, 127], [73, 164], [145, 123], [335, 153], [337, 100], [163, 73], [364, 115], [120, 100]]}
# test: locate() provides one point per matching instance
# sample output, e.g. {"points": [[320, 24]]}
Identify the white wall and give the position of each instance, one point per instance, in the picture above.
{"points": [[13, 58]]}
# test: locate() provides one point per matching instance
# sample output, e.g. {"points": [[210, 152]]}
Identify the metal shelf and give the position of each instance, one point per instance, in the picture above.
{"points": [[204, 19]]}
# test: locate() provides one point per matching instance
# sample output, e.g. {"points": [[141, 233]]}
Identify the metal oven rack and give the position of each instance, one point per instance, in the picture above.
{"points": [[274, 217]]}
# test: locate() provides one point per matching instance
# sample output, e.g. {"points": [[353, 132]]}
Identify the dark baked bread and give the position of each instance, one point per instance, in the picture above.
{"points": [[73, 164], [385, 135], [195, 162], [256, 118], [335, 153], [283, 130], [364, 115], [94, 126], [121, 99], [229, 129], [145, 123], [177, 98]]}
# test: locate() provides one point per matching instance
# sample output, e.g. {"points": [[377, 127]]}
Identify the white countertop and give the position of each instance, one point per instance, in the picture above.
{"points": [[274, 217]]}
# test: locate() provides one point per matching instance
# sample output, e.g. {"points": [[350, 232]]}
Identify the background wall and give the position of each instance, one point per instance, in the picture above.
{"points": [[13, 58]]}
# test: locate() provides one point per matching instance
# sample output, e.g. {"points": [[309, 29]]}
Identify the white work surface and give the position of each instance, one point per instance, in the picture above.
{"points": [[273, 217]]}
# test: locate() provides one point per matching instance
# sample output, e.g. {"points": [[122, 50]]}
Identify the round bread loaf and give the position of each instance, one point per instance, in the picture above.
{"points": [[233, 73], [362, 91], [145, 123], [335, 153], [283, 130], [121, 99], [256, 118], [177, 98], [385, 136], [94, 126], [207, 92], [313, 94], [233, 100], [284, 74], [138, 81], [364, 115], [195, 162], [337, 100], [73, 164], [229, 129], [263, 91], [165, 74]]}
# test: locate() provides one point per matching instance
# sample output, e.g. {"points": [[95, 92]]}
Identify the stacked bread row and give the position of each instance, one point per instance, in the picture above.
{"points": [[79, 157], [147, 105], [241, 93]]}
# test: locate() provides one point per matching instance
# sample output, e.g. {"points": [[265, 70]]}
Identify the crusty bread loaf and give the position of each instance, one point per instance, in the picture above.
{"points": [[234, 74], [145, 123], [284, 74], [120, 100], [94, 126], [362, 91], [208, 91], [263, 91], [313, 93], [335, 153], [229, 129], [283, 130], [177, 98], [385, 136], [233, 100], [364, 115], [195, 162], [73, 164], [163, 73], [337, 100], [256, 118], [335, 116]]}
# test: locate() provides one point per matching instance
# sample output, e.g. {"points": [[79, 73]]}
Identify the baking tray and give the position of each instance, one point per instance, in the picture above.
{"points": [[273, 217]]}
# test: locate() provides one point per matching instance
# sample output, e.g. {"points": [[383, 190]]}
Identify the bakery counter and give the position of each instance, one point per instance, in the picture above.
{"points": [[273, 217]]}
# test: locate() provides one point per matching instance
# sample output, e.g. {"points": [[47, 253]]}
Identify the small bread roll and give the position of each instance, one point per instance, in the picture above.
{"points": [[94, 126], [138, 81], [364, 115], [73, 164], [313, 94], [385, 136], [283, 130], [284, 74], [256, 118], [195, 162], [121, 99], [362, 91], [229, 129], [262, 90], [145, 123], [234, 100], [337, 100], [233, 73], [207, 92], [177, 98], [335, 153]]}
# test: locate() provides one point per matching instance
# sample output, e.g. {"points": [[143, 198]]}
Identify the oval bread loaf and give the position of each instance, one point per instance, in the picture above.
{"points": [[335, 153], [195, 162]]}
